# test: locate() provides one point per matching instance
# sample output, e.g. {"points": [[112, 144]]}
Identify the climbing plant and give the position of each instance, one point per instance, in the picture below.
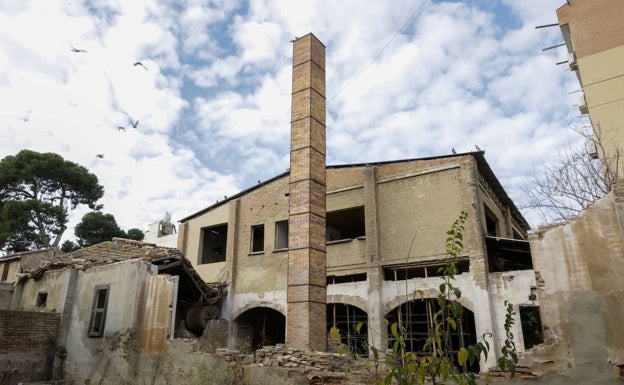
{"points": [[441, 362]]}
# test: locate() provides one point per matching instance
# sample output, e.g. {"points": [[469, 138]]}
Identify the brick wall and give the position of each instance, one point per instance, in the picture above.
{"points": [[306, 294], [27, 345]]}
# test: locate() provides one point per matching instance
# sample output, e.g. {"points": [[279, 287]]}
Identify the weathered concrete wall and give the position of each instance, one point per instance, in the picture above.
{"points": [[582, 296], [54, 283], [6, 295], [27, 345], [91, 356], [514, 287]]}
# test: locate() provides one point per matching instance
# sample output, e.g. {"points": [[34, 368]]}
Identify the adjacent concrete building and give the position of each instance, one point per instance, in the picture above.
{"points": [[321, 246], [594, 36]]}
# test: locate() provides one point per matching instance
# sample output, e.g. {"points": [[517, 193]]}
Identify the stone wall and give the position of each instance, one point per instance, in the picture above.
{"points": [[27, 345]]}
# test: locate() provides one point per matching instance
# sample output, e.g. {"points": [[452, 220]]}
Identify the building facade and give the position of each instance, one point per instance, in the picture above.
{"points": [[594, 39], [373, 233]]}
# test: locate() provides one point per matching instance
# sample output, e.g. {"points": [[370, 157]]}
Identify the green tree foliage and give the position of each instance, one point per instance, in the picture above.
{"points": [[96, 227], [37, 190], [69, 246], [135, 234]]}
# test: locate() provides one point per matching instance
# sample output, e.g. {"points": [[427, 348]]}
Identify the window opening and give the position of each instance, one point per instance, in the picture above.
{"points": [[281, 235], [531, 326], [333, 279], [42, 300], [415, 319], [351, 321], [422, 269], [506, 254], [98, 311], [5, 271], [214, 244], [345, 224], [257, 238], [491, 223]]}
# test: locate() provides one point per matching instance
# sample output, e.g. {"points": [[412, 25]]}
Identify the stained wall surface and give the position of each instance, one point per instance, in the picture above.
{"points": [[581, 292]]}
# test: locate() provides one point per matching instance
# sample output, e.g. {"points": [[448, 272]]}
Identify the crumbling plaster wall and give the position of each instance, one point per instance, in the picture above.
{"points": [[53, 282], [6, 295], [582, 296], [89, 357], [514, 287]]}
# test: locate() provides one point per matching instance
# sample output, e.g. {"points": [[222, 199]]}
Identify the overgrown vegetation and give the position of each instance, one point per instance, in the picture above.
{"points": [[442, 363]]}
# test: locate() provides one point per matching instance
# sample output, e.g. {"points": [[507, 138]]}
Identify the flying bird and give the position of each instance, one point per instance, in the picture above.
{"points": [[134, 124], [120, 128], [138, 63], [101, 156], [74, 49], [478, 148]]}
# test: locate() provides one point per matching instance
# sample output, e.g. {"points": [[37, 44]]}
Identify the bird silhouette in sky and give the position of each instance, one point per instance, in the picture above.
{"points": [[138, 63], [120, 128], [135, 123], [478, 148], [74, 49], [101, 156], [453, 151]]}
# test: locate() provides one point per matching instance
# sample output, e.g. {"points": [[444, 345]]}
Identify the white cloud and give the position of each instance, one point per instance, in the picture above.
{"points": [[213, 104]]}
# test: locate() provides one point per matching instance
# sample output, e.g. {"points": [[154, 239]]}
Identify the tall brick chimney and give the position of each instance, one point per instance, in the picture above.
{"points": [[307, 290]]}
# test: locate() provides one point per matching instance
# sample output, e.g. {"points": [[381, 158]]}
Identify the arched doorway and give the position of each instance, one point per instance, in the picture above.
{"points": [[352, 322], [416, 320], [263, 326]]}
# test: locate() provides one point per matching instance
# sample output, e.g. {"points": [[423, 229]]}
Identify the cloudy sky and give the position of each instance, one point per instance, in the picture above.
{"points": [[210, 98]]}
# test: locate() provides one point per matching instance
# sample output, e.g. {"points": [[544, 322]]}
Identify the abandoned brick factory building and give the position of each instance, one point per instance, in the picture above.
{"points": [[319, 245], [344, 246]]}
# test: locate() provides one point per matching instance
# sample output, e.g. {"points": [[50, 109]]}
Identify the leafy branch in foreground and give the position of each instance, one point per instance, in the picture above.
{"points": [[442, 362]]}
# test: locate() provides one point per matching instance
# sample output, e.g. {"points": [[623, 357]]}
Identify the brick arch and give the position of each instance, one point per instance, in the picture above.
{"points": [[258, 304], [349, 300], [427, 293]]}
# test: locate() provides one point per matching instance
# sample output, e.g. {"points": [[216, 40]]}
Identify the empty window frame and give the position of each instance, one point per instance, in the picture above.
{"points": [[491, 223], [531, 326], [349, 278], [257, 238], [42, 300], [346, 224], [422, 269], [508, 254], [5, 271], [281, 235], [98, 311], [214, 244]]}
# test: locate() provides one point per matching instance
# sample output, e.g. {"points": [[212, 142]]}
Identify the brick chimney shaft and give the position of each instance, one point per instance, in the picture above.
{"points": [[307, 290]]}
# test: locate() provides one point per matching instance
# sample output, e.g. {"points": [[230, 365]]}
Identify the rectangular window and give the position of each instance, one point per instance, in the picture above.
{"points": [[257, 238], [281, 235], [5, 271], [214, 244], [491, 223], [42, 300], [98, 311], [531, 326], [346, 224]]}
